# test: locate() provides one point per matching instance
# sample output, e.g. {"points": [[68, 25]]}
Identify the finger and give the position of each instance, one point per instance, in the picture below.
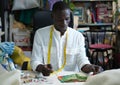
{"points": [[49, 66], [46, 71], [93, 68], [101, 69], [49, 70], [98, 69]]}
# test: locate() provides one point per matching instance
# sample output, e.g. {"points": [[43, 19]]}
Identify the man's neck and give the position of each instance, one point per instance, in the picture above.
{"points": [[61, 32]]}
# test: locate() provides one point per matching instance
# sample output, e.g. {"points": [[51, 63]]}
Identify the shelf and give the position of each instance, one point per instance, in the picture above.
{"points": [[98, 24], [91, 0], [90, 12]]}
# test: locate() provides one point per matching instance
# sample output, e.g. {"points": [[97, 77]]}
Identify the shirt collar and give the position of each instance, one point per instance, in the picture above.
{"points": [[58, 33]]}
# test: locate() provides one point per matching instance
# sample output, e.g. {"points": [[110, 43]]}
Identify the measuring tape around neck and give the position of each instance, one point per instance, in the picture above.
{"points": [[49, 50]]}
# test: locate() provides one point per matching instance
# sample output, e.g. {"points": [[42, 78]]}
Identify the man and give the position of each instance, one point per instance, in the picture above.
{"points": [[59, 47]]}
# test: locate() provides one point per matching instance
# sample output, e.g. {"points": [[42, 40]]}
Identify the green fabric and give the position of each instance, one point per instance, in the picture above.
{"points": [[72, 78], [26, 15]]}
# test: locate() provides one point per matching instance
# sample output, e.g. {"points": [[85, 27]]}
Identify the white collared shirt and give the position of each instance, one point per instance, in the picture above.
{"points": [[75, 51]]}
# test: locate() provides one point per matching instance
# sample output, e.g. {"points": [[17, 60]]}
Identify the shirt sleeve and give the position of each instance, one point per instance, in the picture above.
{"points": [[37, 57], [82, 58]]}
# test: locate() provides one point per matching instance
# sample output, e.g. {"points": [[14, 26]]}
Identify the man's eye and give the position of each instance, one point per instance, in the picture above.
{"points": [[67, 18]]}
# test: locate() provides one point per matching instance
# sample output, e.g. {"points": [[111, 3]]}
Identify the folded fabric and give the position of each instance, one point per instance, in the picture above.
{"points": [[9, 78], [72, 78], [2, 69], [7, 47], [108, 77]]}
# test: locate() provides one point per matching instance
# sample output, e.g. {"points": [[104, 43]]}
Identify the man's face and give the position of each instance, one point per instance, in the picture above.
{"points": [[61, 20]]}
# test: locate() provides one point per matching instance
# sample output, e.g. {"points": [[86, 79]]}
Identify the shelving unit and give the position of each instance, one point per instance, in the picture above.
{"points": [[100, 12], [4, 14], [91, 0], [99, 24]]}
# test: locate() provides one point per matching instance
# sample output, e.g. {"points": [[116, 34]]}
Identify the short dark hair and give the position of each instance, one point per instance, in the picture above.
{"points": [[60, 5]]}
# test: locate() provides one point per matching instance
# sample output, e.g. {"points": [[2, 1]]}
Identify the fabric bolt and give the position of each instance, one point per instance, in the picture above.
{"points": [[27, 15], [75, 51], [108, 77], [9, 77]]}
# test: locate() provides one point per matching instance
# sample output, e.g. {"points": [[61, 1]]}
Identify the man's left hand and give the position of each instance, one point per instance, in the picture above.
{"points": [[92, 68]]}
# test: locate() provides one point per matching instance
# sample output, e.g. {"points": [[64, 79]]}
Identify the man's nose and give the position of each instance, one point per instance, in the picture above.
{"points": [[64, 22]]}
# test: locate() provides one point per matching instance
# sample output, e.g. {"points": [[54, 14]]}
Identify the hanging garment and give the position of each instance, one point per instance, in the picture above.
{"points": [[25, 4], [26, 15]]}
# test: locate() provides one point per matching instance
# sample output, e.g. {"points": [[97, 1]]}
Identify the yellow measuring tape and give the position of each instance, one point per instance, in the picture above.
{"points": [[49, 50]]}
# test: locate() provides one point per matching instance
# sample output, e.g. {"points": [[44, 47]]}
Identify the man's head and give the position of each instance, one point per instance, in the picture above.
{"points": [[61, 16]]}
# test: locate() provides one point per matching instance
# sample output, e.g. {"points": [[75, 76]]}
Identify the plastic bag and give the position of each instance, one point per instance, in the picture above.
{"points": [[7, 47]]}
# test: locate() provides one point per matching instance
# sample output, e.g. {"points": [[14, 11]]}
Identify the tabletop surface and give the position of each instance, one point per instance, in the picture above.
{"points": [[33, 78]]}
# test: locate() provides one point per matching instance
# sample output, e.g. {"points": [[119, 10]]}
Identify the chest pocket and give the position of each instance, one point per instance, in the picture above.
{"points": [[71, 57]]}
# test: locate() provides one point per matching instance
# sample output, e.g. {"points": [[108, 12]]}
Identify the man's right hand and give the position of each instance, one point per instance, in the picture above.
{"points": [[45, 69]]}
